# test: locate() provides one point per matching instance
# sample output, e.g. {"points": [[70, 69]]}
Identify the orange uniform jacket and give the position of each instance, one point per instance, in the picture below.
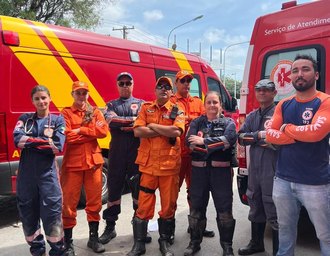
{"points": [[192, 107], [156, 156], [82, 150]]}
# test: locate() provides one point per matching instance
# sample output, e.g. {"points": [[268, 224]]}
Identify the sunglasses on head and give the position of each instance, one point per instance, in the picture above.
{"points": [[183, 80], [81, 93], [122, 84], [167, 87]]}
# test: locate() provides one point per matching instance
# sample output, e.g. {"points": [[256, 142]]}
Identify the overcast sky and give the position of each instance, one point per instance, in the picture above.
{"points": [[224, 22]]}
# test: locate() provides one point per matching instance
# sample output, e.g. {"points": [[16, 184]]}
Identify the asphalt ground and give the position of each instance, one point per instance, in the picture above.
{"points": [[12, 241]]}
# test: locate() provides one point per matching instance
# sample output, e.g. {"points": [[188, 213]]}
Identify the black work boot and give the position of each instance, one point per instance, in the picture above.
{"points": [[196, 227], [226, 231], [38, 246], [109, 232], [57, 248], [275, 241], [165, 233], [148, 238], [206, 233], [140, 233], [94, 241], [171, 227], [68, 242], [256, 243]]}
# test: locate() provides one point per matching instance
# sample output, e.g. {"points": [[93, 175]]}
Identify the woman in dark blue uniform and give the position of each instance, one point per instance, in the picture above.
{"points": [[211, 138], [40, 135]]}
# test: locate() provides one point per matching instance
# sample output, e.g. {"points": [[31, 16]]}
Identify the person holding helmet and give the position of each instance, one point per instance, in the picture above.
{"points": [[159, 125], [261, 169], [82, 165]]}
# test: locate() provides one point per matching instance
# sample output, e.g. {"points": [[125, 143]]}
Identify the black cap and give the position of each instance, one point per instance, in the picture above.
{"points": [[265, 83]]}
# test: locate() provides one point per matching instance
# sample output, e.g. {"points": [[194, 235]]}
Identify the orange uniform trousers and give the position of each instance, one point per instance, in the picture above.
{"points": [[168, 189], [72, 182]]}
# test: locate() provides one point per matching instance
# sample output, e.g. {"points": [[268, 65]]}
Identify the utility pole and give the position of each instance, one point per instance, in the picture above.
{"points": [[124, 29]]}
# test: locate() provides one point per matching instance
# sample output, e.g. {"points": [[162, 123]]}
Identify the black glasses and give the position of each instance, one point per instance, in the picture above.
{"points": [[122, 84], [84, 93], [167, 87], [183, 80]]}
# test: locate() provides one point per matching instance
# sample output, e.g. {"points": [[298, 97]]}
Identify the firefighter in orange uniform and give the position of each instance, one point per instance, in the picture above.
{"points": [[192, 107], [159, 125], [82, 165]]}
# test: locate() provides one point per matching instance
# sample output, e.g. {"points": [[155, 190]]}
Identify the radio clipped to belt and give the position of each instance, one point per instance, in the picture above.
{"points": [[173, 115]]}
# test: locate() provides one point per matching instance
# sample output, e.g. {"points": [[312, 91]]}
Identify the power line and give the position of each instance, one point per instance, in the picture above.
{"points": [[124, 29]]}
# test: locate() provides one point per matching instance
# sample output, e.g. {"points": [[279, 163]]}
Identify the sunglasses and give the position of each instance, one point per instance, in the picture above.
{"points": [[84, 93], [122, 84], [183, 80], [167, 87]]}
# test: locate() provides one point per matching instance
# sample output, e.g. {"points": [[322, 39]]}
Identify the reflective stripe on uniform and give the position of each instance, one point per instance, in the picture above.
{"points": [[213, 164]]}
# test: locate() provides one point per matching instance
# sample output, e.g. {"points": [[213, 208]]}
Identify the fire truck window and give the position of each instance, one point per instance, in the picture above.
{"points": [[194, 88], [214, 85]]}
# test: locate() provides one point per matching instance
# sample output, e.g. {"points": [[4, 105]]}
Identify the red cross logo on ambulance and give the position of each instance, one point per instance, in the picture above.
{"points": [[280, 74]]}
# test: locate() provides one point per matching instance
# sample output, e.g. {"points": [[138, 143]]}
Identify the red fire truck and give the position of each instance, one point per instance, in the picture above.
{"points": [[276, 39], [35, 53]]}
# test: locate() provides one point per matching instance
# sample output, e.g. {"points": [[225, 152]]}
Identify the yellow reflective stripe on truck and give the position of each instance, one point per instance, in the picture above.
{"points": [[182, 61], [76, 69], [48, 71]]}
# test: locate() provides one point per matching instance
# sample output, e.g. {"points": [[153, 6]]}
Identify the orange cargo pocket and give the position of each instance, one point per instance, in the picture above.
{"points": [[142, 158], [169, 159], [98, 158]]}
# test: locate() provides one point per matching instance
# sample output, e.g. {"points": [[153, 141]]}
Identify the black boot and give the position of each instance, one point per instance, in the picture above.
{"points": [[140, 233], [226, 231], [275, 241], [165, 233], [68, 242], [148, 236], [256, 243], [206, 233], [171, 228], [38, 246], [94, 241], [108, 233], [196, 227]]}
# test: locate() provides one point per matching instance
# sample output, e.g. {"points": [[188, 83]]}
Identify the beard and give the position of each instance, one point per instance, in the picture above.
{"points": [[302, 87]]}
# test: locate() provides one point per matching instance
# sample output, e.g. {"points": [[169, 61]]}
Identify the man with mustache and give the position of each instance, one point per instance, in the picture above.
{"points": [[301, 125]]}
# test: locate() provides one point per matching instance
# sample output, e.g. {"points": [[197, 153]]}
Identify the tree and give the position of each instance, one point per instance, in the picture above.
{"points": [[230, 85], [83, 14]]}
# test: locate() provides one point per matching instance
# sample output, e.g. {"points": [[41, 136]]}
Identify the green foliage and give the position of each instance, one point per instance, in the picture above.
{"points": [[83, 14], [230, 85]]}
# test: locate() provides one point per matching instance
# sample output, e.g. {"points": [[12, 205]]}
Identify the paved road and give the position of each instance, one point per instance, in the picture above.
{"points": [[12, 241]]}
